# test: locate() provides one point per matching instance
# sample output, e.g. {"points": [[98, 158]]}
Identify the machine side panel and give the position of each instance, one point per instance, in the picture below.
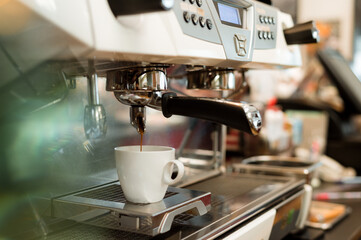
{"points": [[151, 37], [70, 16], [131, 34], [43, 30]]}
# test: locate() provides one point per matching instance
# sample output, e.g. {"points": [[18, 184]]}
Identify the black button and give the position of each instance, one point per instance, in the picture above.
{"points": [[199, 3], [272, 36], [186, 16], [265, 35], [192, 1], [202, 21], [260, 35], [261, 18], [209, 24], [194, 19], [266, 20]]}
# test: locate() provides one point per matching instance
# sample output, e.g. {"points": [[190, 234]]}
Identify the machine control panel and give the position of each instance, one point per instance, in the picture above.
{"points": [[196, 20], [219, 33], [265, 26], [234, 23], [228, 23], [241, 26]]}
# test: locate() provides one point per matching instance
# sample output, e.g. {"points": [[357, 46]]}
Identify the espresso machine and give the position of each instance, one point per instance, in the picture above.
{"points": [[82, 77]]}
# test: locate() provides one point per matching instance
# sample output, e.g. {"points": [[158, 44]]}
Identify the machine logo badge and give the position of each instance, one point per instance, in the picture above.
{"points": [[240, 44]]}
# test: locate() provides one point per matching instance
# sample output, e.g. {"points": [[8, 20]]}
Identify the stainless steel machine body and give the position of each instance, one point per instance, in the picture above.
{"points": [[66, 66]]}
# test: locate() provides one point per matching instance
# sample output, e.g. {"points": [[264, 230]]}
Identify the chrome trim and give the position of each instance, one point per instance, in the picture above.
{"points": [[277, 164], [211, 79], [253, 116]]}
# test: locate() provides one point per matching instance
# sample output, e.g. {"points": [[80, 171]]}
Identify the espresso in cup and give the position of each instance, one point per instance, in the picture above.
{"points": [[145, 175]]}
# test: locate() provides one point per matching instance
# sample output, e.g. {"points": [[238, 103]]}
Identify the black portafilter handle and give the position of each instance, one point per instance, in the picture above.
{"points": [[127, 7], [238, 115], [302, 33]]}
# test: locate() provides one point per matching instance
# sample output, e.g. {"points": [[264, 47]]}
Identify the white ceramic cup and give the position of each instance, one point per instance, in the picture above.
{"points": [[145, 175]]}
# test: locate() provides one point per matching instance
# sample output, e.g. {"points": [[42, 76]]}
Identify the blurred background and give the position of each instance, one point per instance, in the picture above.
{"points": [[318, 102]]}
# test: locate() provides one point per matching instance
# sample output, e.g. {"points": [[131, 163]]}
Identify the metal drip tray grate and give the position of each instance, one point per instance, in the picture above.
{"points": [[85, 232], [112, 193], [236, 198], [106, 206]]}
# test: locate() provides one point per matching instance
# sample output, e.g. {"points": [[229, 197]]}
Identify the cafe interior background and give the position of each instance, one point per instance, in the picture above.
{"points": [[47, 150]]}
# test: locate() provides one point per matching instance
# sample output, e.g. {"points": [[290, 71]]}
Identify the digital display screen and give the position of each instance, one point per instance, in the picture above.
{"points": [[229, 14]]}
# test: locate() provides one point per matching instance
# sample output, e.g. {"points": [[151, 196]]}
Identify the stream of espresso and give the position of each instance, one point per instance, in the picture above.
{"points": [[141, 141], [141, 129]]}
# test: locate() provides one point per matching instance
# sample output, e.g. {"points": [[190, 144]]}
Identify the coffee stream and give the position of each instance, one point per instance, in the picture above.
{"points": [[141, 130], [141, 141]]}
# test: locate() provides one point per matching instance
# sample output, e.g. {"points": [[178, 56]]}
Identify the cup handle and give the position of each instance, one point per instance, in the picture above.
{"points": [[168, 172]]}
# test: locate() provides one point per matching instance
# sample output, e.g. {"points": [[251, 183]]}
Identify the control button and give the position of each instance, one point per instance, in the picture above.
{"points": [[192, 1], [199, 3], [273, 20], [266, 20], [272, 36], [265, 35], [261, 18], [260, 35], [202, 21], [186, 16], [269, 35], [209, 24], [194, 19]]}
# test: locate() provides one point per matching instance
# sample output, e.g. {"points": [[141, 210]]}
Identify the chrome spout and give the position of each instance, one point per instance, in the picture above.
{"points": [[138, 118], [138, 87]]}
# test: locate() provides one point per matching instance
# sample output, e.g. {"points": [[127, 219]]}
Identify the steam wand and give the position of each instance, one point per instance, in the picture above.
{"points": [[94, 113]]}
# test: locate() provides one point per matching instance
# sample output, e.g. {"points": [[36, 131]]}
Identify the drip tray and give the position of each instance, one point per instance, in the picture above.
{"points": [[106, 206]]}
